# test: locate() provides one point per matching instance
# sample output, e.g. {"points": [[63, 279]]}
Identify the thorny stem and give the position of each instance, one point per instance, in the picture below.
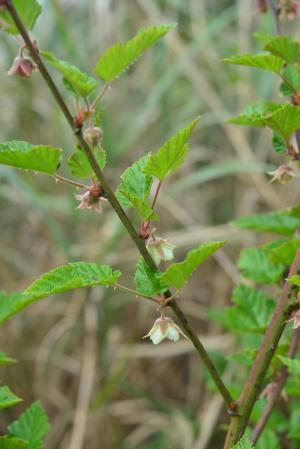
{"points": [[69, 181], [255, 379], [116, 205], [156, 195], [271, 401]]}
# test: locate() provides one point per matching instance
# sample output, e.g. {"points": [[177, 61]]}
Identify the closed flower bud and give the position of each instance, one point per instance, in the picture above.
{"points": [[163, 328], [93, 136], [283, 174], [22, 67], [160, 249]]}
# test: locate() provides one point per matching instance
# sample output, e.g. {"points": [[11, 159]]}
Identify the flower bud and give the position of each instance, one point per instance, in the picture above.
{"points": [[283, 174], [262, 6], [160, 249], [93, 136], [163, 328], [22, 67]]}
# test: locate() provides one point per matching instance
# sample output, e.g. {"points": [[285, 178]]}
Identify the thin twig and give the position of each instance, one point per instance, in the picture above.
{"points": [[187, 328], [135, 293], [275, 12], [69, 181], [276, 390], [99, 96]]}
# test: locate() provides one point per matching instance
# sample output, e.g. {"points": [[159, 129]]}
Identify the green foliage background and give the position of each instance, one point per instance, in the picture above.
{"points": [[143, 397]]}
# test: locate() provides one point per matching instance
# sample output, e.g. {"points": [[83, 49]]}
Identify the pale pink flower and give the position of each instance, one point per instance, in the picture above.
{"points": [[160, 249], [22, 67], [164, 327], [91, 199], [284, 173]]}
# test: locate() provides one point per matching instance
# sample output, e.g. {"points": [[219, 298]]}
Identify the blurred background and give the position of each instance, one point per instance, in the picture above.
{"points": [[82, 353]]}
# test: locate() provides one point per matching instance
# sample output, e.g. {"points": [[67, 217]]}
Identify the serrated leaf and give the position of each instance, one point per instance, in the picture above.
{"points": [[7, 397], [275, 222], [255, 265], [178, 273], [12, 304], [145, 211], [291, 82], [118, 57], [135, 186], [278, 143], [82, 83], [73, 275], [263, 37], [285, 120], [5, 360], [268, 439], [252, 311], [254, 113], [294, 428], [285, 253], [171, 155], [8, 442], [147, 281], [263, 61], [41, 158], [79, 165], [284, 47], [32, 426], [28, 10], [243, 443]]}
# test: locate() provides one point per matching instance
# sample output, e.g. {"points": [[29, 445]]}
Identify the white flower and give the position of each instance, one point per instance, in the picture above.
{"points": [[284, 173], [164, 327], [160, 249]]}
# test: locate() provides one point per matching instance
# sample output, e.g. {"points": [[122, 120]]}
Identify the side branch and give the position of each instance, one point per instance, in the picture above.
{"points": [[140, 244]]}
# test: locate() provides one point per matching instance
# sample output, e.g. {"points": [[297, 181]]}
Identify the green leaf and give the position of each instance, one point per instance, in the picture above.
{"points": [[148, 281], [79, 165], [285, 253], [285, 120], [268, 439], [294, 428], [263, 37], [118, 57], [73, 275], [252, 311], [254, 113], [278, 143], [293, 366], [275, 222], [178, 273], [8, 442], [8, 398], [263, 61], [12, 304], [255, 265], [5, 360], [292, 81], [32, 426], [171, 155], [130, 200], [40, 158], [243, 443], [82, 83], [135, 187], [284, 47], [28, 10]]}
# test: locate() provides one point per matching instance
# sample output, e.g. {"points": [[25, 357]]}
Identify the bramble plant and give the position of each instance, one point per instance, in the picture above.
{"points": [[270, 357]]}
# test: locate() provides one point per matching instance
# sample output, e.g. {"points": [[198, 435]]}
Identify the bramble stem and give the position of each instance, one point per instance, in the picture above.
{"points": [[254, 382], [275, 394], [156, 195], [140, 244], [275, 13]]}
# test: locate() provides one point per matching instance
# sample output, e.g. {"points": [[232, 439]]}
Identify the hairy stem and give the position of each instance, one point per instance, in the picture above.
{"points": [[140, 244], [275, 394], [254, 382]]}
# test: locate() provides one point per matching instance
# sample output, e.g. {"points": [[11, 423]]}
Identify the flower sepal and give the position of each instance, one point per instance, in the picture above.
{"points": [[164, 327]]}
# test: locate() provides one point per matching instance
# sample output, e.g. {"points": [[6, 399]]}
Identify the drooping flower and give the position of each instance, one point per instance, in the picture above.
{"points": [[91, 199], [160, 249], [284, 173], [164, 327], [22, 67], [93, 136]]}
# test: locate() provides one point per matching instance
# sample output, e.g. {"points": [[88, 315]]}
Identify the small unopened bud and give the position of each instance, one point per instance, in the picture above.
{"points": [[22, 67], [163, 328], [283, 174], [160, 249], [93, 136], [296, 99]]}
